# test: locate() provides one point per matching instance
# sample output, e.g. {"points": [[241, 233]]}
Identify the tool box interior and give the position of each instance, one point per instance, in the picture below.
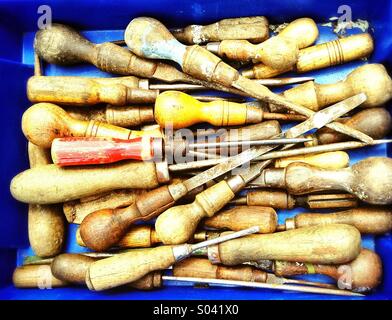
{"points": [[105, 21]]}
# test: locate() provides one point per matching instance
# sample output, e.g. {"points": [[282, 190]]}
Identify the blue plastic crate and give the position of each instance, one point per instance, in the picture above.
{"points": [[105, 20]]}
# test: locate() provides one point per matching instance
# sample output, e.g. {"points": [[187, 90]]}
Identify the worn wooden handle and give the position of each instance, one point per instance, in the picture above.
{"points": [[127, 267], [202, 268], [243, 217], [327, 160], [52, 184], [71, 268], [373, 220], [254, 29], [334, 243], [177, 225], [36, 276]]}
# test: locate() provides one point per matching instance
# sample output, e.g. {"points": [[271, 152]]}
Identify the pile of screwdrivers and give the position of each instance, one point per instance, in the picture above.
{"points": [[209, 175]]}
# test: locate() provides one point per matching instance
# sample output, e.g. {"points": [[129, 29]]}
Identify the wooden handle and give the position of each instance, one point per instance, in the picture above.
{"points": [[84, 91], [36, 276], [52, 184], [362, 274], [327, 160], [76, 210], [334, 243], [253, 29], [321, 56], [43, 122], [46, 225], [259, 131], [243, 217], [202, 268], [71, 268], [127, 267], [181, 110], [373, 220], [178, 224], [270, 198], [102, 229], [375, 122], [128, 116]]}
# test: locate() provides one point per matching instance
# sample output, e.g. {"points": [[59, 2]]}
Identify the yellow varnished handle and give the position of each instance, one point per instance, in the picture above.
{"points": [[327, 160], [181, 110]]}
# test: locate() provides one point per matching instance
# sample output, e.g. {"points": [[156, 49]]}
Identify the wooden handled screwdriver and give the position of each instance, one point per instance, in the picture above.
{"points": [[180, 110], [149, 38], [104, 228], [320, 56], [362, 274], [368, 179], [254, 29], [279, 52], [279, 199], [372, 220]]}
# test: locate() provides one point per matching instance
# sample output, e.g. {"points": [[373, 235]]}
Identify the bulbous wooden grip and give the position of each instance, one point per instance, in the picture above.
{"points": [[253, 29], [367, 179], [362, 274], [375, 122], [127, 267], [71, 268], [46, 225], [36, 276], [202, 268], [178, 224], [327, 160], [43, 122], [51, 184], [84, 91], [321, 56], [373, 220], [243, 217], [334, 243], [181, 110]]}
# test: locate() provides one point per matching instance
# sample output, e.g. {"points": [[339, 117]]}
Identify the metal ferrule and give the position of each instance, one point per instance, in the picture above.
{"points": [[144, 84], [253, 114], [162, 170], [236, 183], [213, 47], [213, 254], [290, 223], [182, 251], [273, 178]]}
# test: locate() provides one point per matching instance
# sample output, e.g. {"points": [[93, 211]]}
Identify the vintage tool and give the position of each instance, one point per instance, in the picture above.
{"points": [[131, 266], [327, 160], [36, 276], [60, 44], [279, 52], [77, 151], [102, 229], [362, 274], [43, 122], [368, 179], [327, 244], [320, 56], [51, 184], [192, 165], [373, 220], [375, 122], [282, 200], [84, 92], [371, 79], [46, 225], [254, 29], [149, 38], [180, 110]]}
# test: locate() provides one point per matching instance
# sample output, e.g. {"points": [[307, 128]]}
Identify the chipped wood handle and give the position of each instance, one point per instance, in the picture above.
{"points": [[127, 267], [243, 217], [253, 29], [334, 243], [52, 184], [84, 91], [372, 220]]}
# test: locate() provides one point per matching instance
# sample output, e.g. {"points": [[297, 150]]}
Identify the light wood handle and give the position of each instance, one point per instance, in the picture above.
{"points": [[36, 276], [202, 268], [52, 184], [127, 267], [243, 217], [181, 110], [46, 225], [178, 224], [373, 220], [71, 268], [334, 243], [328, 160], [254, 29]]}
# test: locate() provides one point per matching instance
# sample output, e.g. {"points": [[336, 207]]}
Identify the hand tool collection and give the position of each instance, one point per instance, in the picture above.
{"points": [[215, 173]]}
